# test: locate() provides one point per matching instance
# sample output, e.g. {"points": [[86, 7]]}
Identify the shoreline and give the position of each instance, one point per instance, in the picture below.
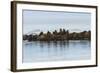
{"points": [[62, 35]]}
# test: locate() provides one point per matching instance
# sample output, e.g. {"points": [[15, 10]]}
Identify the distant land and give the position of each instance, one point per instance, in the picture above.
{"points": [[62, 35]]}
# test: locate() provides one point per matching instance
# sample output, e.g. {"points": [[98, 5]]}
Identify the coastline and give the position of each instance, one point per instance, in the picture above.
{"points": [[62, 35]]}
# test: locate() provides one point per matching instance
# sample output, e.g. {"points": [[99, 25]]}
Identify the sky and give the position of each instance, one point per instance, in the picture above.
{"points": [[35, 21]]}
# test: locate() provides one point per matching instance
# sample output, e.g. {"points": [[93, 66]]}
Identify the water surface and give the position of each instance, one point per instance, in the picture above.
{"points": [[39, 51]]}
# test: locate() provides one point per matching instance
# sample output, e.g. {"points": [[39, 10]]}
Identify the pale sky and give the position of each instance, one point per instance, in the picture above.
{"points": [[36, 21]]}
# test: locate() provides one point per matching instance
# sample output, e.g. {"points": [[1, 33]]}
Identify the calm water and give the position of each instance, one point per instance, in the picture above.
{"points": [[56, 51]]}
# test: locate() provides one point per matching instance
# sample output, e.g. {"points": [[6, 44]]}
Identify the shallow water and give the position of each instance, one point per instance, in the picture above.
{"points": [[39, 51]]}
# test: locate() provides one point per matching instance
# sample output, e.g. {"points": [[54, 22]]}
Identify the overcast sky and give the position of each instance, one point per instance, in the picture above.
{"points": [[36, 21]]}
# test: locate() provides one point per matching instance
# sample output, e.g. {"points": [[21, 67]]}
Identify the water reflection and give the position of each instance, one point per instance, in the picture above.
{"points": [[55, 44], [56, 50]]}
